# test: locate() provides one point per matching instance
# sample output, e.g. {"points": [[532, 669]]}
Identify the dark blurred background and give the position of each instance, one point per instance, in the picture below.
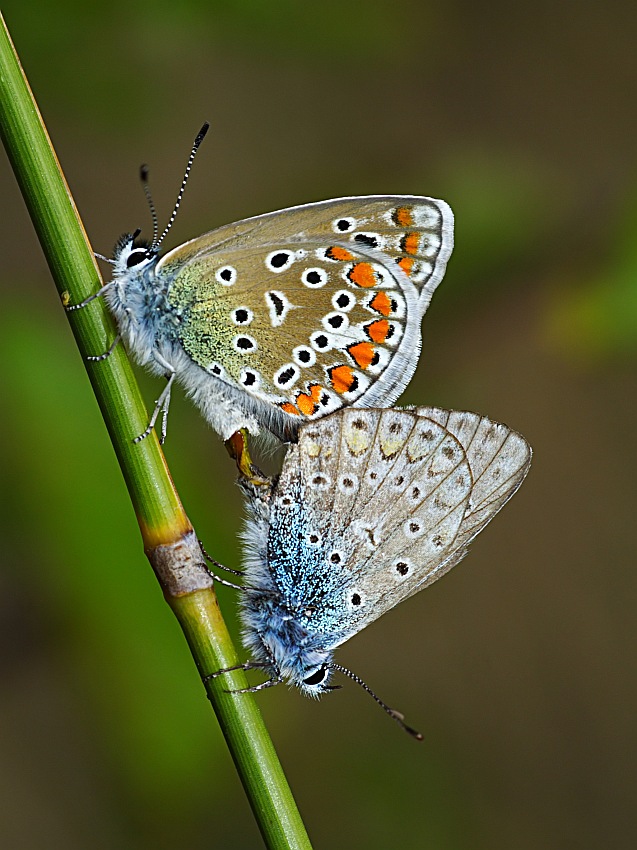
{"points": [[519, 667]]}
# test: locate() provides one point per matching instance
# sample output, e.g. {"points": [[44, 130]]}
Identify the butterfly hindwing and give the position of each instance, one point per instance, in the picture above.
{"points": [[311, 308], [309, 335]]}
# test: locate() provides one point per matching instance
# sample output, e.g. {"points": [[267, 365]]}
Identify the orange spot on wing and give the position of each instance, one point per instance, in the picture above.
{"points": [[402, 216], [378, 331], [342, 378], [381, 302], [338, 253], [362, 274], [364, 354], [315, 391], [410, 243], [306, 404], [289, 408], [406, 264]]}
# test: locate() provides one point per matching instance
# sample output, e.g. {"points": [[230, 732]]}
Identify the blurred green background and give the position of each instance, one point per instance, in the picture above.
{"points": [[519, 667]]}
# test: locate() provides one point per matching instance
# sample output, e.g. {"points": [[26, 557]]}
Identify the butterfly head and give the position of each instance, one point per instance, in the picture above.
{"points": [[316, 683], [132, 255], [281, 635]]}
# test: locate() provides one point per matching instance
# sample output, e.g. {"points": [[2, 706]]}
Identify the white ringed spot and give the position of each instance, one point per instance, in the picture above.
{"points": [[304, 356], [279, 261], [335, 321], [250, 379], [354, 599], [345, 224], [413, 528], [278, 306], [369, 240], [216, 369], [335, 558], [348, 483], [320, 481], [287, 375], [315, 277], [244, 343], [226, 275], [401, 568], [313, 538], [343, 300], [321, 341]]}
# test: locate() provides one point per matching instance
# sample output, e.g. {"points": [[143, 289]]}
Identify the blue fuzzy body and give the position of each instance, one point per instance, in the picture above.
{"points": [[290, 619], [139, 302], [152, 327]]}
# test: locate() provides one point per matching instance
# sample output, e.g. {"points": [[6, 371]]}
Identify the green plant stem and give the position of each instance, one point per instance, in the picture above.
{"points": [[169, 540]]}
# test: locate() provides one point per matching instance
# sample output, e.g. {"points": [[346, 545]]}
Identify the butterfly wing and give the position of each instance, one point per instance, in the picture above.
{"points": [[413, 232], [314, 307], [499, 459], [395, 499]]}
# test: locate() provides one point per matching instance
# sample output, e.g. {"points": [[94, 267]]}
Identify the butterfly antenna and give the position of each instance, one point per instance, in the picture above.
{"points": [[143, 175], [200, 137], [395, 715]]}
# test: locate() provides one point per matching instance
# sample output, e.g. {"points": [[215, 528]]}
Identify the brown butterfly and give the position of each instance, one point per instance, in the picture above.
{"points": [[285, 317]]}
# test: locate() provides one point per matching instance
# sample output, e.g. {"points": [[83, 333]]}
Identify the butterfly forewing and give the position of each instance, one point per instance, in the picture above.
{"points": [[499, 458], [412, 232], [406, 504], [392, 498]]}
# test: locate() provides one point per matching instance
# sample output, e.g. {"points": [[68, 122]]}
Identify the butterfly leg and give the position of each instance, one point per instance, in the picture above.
{"points": [[269, 683], [237, 446], [270, 666], [163, 402], [70, 307], [217, 564], [97, 358], [94, 358], [248, 665], [220, 580], [161, 406]]}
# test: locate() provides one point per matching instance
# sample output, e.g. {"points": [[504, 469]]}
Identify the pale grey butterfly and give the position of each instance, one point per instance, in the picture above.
{"points": [[371, 506], [285, 317]]}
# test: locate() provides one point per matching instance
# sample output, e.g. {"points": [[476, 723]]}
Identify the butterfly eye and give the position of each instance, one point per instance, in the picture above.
{"points": [[316, 678], [136, 257]]}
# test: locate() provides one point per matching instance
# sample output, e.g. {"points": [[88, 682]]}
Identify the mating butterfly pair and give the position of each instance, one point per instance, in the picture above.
{"points": [[276, 321]]}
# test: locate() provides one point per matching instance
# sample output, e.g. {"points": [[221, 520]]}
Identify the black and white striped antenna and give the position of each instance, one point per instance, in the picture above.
{"points": [[154, 246]]}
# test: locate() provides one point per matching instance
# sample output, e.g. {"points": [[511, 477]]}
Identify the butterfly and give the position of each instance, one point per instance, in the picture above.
{"points": [[283, 318], [371, 506]]}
